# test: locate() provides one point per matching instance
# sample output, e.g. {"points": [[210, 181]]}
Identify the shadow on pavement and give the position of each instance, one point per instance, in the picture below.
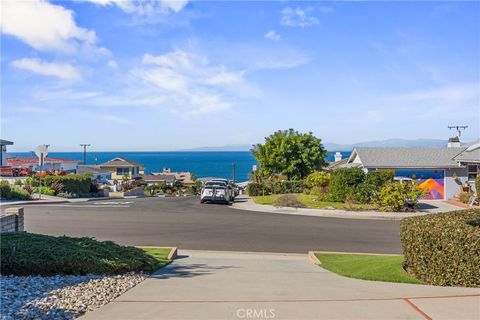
{"points": [[186, 271]]}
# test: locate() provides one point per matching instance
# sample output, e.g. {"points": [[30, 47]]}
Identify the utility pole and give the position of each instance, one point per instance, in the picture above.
{"points": [[234, 173], [458, 128], [84, 145]]}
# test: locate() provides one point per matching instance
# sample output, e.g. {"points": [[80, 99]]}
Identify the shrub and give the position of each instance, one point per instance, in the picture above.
{"points": [[477, 186], [45, 190], [443, 249], [288, 200], [18, 182], [35, 254], [465, 196], [28, 188], [397, 197], [275, 187], [373, 183], [57, 187], [9, 192], [344, 181], [72, 183], [31, 181], [317, 179]]}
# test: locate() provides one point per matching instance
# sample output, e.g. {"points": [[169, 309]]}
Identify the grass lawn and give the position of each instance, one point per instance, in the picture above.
{"points": [[311, 202], [367, 267], [26, 253]]}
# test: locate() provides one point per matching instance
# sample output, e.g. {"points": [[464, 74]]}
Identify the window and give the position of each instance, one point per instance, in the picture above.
{"points": [[473, 171], [123, 171]]}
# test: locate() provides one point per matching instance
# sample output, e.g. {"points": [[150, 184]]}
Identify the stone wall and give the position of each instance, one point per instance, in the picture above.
{"points": [[11, 220]]}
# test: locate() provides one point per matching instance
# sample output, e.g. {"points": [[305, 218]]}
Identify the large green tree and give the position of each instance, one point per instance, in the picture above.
{"points": [[290, 153]]}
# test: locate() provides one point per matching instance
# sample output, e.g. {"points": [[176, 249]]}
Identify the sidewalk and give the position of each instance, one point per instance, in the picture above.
{"points": [[246, 203], [233, 285]]}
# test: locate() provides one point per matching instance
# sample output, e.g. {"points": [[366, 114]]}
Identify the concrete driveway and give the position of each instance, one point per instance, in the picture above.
{"points": [[228, 285]]}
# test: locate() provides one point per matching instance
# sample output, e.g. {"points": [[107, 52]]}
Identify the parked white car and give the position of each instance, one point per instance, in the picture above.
{"points": [[216, 191]]}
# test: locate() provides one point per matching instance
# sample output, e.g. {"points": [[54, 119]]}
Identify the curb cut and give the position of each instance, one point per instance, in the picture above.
{"points": [[173, 254]]}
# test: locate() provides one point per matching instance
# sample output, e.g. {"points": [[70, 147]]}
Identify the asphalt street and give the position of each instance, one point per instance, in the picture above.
{"points": [[187, 224]]}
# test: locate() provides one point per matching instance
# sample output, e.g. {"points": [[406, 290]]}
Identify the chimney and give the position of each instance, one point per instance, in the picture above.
{"points": [[454, 142], [338, 156]]}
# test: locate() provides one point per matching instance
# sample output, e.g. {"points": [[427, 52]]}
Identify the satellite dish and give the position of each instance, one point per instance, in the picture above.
{"points": [[41, 152]]}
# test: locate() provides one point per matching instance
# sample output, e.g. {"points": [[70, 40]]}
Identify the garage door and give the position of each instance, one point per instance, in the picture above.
{"points": [[431, 181]]}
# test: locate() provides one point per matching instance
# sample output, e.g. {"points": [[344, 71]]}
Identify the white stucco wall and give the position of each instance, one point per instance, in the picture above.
{"points": [[453, 185]]}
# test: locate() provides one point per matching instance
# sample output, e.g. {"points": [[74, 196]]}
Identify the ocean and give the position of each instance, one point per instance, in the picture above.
{"points": [[203, 164]]}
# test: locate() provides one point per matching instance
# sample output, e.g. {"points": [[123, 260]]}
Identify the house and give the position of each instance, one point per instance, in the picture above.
{"points": [[441, 172], [5, 170], [98, 174], [122, 167], [168, 179], [55, 164], [183, 177]]}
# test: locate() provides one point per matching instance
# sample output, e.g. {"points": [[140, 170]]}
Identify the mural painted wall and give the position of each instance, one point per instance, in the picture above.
{"points": [[431, 181]]}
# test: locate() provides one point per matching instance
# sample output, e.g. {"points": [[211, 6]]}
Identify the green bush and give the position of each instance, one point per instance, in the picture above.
{"points": [[32, 181], [18, 182], [275, 187], [317, 179], [477, 186], [288, 200], [395, 196], [72, 183], [35, 254], [443, 249], [9, 192], [371, 186], [45, 190], [345, 181]]}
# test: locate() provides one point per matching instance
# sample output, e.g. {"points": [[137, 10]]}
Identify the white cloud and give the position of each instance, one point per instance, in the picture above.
{"points": [[188, 83], [298, 17], [60, 70], [453, 94], [46, 27], [144, 7], [272, 35], [112, 64]]}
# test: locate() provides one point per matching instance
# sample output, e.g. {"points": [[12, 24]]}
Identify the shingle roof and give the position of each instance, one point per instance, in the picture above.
{"points": [[120, 162], [159, 177], [407, 157], [470, 154], [27, 161]]}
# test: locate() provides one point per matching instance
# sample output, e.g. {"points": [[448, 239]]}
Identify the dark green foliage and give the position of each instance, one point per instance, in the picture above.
{"points": [[443, 249], [34, 254], [72, 183], [9, 192], [374, 181], [275, 187], [477, 186], [290, 153], [344, 182], [288, 200]]}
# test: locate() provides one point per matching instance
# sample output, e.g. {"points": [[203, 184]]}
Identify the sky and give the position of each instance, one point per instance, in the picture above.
{"points": [[167, 75]]}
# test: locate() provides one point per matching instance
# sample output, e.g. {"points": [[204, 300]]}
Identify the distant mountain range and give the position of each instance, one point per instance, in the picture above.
{"points": [[435, 143]]}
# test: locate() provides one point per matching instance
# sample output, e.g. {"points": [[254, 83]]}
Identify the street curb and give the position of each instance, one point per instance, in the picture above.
{"points": [[357, 253], [312, 258], [33, 202]]}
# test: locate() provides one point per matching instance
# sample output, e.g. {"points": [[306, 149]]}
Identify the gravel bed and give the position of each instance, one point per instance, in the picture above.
{"points": [[61, 296]]}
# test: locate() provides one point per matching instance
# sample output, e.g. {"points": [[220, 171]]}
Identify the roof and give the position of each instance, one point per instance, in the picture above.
{"points": [[5, 142], [337, 164], [95, 169], [407, 157], [120, 162], [18, 161], [470, 154], [158, 177]]}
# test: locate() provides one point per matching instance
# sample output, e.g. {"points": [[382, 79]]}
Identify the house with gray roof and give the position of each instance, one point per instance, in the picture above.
{"points": [[122, 167], [441, 172]]}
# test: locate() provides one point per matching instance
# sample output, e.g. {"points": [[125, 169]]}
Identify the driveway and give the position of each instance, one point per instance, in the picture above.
{"points": [[187, 224], [228, 285]]}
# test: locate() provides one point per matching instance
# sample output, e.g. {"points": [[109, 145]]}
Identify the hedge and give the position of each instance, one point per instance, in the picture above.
{"points": [[344, 182], [72, 183], [9, 192], [443, 249], [276, 187], [36, 254]]}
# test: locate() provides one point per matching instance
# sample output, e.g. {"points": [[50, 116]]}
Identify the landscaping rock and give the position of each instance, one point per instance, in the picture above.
{"points": [[61, 296]]}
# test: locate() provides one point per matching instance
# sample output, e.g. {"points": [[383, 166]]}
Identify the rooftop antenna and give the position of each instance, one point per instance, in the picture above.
{"points": [[458, 128]]}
